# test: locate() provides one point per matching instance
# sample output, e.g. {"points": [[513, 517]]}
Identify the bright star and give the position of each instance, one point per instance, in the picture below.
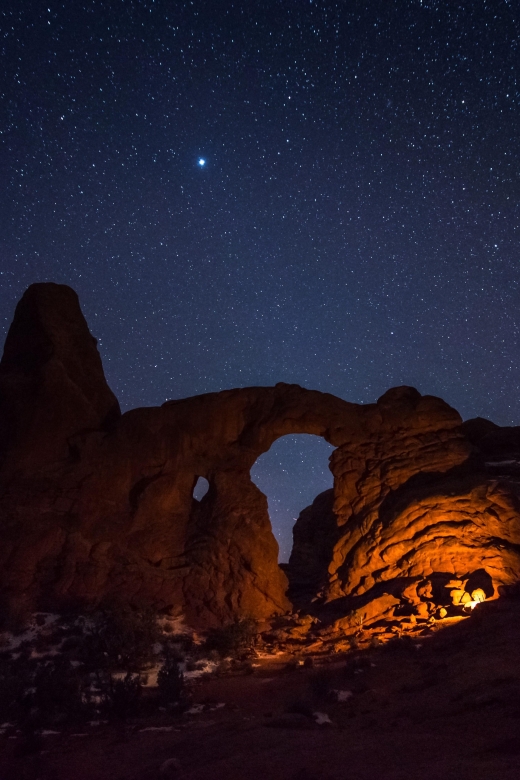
{"points": [[202, 162]]}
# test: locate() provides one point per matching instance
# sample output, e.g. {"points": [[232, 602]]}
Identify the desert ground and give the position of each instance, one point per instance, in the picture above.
{"points": [[442, 703]]}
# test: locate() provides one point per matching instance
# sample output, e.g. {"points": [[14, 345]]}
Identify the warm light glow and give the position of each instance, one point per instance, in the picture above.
{"points": [[477, 597]]}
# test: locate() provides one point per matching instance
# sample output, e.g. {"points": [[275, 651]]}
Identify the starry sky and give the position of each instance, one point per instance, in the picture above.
{"points": [[354, 225]]}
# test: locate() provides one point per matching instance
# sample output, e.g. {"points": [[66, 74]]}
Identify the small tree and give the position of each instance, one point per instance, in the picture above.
{"points": [[119, 638], [58, 692], [170, 680], [122, 697]]}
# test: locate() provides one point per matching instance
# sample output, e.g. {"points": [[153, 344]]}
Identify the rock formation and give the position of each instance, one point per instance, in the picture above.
{"points": [[94, 503], [419, 510], [52, 384]]}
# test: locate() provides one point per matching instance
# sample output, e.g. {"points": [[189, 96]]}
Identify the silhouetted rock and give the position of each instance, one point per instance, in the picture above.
{"points": [[314, 536], [493, 442], [52, 384]]}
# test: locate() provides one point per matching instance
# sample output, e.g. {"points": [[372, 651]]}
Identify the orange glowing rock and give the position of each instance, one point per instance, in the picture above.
{"points": [[478, 595]]}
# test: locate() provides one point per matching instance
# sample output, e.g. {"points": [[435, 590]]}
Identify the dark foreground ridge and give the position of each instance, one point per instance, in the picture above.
{"points": [[423, 517]]}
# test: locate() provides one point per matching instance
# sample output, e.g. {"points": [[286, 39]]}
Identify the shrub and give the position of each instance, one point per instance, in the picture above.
{"points": [[34, 694], [233, 638], [120, 637], [15, 679], [322, 683], [122, 697], [170, 681], [57, 693]]}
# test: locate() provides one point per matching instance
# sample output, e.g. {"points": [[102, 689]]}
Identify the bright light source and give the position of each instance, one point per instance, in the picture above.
{"points": [[202, 162]]}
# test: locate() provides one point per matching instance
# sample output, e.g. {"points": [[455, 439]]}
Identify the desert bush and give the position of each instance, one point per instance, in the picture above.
{"points": [[233, 638], [119, 637], [321, 683], [121, 697], [170, 681], [15, 679], [42, 693], [58, 692]]}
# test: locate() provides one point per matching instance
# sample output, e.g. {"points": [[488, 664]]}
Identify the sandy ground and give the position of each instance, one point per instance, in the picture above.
{"points": [[446, 710]]}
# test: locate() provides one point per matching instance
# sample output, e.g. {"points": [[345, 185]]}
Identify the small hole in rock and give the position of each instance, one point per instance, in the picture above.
{"points": [[201, 488]]}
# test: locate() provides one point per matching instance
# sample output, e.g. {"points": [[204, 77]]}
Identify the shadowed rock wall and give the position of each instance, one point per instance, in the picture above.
{"points": [[93, 502]]}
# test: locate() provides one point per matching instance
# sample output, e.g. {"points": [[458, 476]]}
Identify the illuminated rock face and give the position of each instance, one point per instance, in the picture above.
{"points": [[463, 526], [94, 503], [409, 504]]}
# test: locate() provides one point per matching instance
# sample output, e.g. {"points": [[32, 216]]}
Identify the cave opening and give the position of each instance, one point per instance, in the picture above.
{"points": [[291, 474]]}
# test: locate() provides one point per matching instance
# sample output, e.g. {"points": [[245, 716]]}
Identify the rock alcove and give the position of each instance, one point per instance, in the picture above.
{"points": [[94, 502]]}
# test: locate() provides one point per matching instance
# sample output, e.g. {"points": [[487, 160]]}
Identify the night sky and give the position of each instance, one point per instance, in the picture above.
{"points": [[354, 224]]}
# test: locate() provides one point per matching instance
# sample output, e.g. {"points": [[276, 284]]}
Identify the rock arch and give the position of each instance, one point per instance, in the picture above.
{"points": [[94, 502]]}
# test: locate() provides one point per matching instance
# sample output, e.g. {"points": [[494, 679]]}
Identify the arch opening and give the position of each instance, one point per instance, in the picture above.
{"points": [[291, 474], [201, 488]]}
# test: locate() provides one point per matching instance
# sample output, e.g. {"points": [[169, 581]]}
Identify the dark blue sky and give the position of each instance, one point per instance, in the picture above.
{"points": [[355, 225]]}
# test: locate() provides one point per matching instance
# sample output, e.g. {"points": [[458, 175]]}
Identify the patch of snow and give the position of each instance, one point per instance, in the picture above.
{"points": [[195, 710], [32, 631], [343, 695], [156, 728], [207, 667], [321, 718], [503, 463]]}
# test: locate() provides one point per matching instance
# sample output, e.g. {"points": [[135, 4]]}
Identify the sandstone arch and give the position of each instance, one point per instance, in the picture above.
{"points": [[94, 502]]}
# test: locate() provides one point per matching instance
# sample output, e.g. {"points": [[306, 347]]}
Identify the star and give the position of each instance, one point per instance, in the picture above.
{"points": [[202, 162]]}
